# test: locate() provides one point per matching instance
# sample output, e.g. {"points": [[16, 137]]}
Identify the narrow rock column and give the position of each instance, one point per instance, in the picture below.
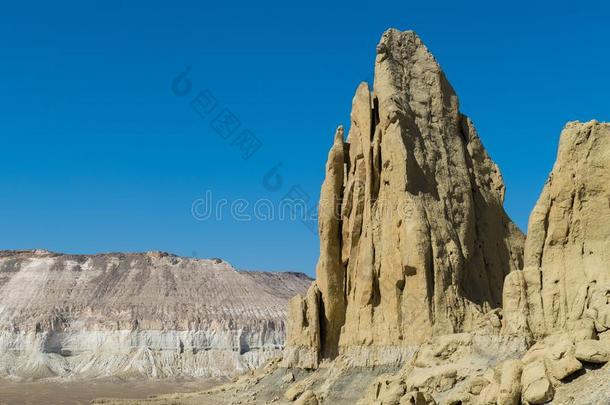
{"points": [[330, 273]]}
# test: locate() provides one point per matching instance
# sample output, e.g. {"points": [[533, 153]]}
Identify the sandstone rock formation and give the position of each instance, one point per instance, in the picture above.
{"points": [[566, 280], [150, 314], [414, 240]]}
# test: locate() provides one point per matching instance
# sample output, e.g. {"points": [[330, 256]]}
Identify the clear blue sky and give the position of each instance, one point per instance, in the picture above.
{"points": [[98, 154]]}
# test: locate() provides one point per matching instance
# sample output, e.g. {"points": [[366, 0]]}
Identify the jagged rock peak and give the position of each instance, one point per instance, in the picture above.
{"points": [[421, 242], [566, 279]]}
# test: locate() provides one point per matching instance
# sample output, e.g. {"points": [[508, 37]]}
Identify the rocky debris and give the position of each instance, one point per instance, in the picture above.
{"points": [[307, 398], [151, 314], [288, 378], [457, 368], [470, 368], [533, 379], [392, 393], [417, 398], [567, 252], [414, 241]]}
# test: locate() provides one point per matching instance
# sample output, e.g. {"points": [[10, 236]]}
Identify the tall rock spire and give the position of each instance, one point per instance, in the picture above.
{"points": [[330, 273], [422, 244]]}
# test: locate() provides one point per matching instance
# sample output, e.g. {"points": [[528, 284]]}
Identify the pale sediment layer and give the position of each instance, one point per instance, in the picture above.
{"points": [[151, 315]]}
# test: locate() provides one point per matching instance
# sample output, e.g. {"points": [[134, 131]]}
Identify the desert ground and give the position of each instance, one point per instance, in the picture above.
{"points": [[82, 392]]}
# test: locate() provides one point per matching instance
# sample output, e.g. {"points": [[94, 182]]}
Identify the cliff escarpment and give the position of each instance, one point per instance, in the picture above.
{"points": [[153, 315]]}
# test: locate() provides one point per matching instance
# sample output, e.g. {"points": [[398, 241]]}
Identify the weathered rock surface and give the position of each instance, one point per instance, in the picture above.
{"points": [[150, 314], [509, 392], [567, 253], [414, 241], [593, 351], [304, 330]]}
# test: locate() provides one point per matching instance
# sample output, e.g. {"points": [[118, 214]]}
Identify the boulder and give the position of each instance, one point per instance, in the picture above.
{"points": [[489, 394], [294, 391], [477, 384], [536, 386], [435, 379], [417, 398], [307, 398], [288, 378], [384, 392], [560, 360], [593, 351], [581, 329], [459, 398]]}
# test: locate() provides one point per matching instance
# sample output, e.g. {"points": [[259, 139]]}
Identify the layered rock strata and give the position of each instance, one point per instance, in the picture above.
{"points": [[414, 241], [150, 314]]}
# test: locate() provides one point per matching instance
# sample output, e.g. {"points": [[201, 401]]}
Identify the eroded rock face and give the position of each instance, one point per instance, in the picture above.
{"points": [[304, 330], [566, 278], [149, 314], [414, 239]]}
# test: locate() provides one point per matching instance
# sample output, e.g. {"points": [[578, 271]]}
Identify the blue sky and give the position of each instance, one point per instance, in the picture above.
{"points": [[98, 154]]}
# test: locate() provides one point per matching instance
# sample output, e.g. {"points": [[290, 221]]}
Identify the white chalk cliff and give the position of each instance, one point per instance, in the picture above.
{"points": [[153, 315]]}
